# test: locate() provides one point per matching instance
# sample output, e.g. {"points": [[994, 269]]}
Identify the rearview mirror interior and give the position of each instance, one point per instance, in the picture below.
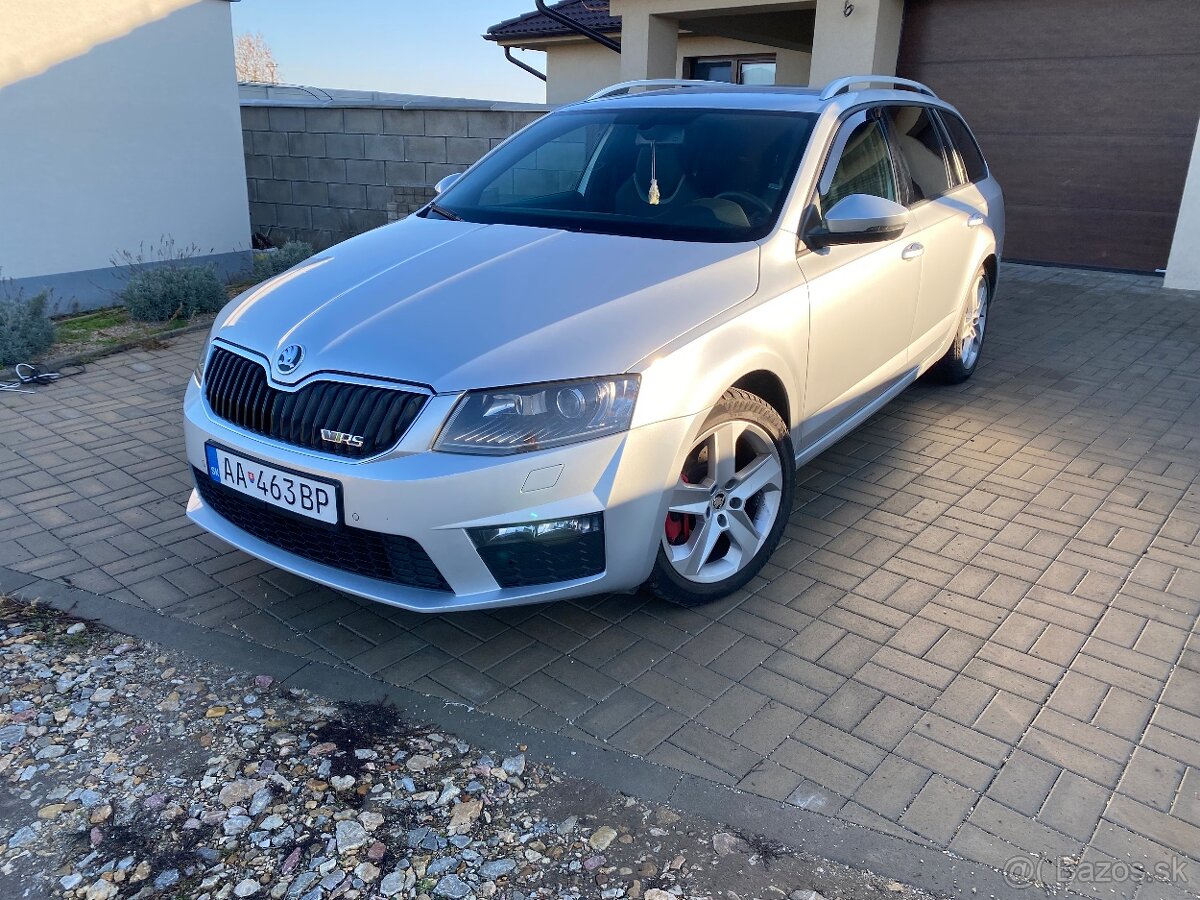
{"points": [[856, 219]]}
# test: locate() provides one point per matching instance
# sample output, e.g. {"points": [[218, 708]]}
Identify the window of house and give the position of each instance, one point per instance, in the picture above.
{"points": [[922, 154], [713, 70], [863, 167], [732, 69], [975, 169]]}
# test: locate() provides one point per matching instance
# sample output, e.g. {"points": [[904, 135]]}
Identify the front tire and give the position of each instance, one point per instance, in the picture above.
{"points": [[963, 356], [730, 504]]}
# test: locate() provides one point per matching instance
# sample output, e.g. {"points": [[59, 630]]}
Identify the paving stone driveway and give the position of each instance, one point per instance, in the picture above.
{"points": [[980, 633]]}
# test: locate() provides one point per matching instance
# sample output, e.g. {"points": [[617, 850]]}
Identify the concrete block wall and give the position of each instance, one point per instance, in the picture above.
{"points": [[323, 174]]}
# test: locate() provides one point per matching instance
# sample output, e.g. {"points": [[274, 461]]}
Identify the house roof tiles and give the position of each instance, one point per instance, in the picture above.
{"points": [[592, 13]]}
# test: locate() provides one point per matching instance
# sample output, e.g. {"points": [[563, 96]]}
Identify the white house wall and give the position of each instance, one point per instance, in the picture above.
{"points": [[121, 127], [1183, 269], [573, 71]]}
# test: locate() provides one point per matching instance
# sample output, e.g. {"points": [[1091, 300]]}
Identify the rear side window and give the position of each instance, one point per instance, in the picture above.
{"points": [[968, 151], [921, 151]]}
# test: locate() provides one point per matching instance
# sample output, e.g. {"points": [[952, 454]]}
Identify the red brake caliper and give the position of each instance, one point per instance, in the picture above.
{"points": [[679, 525]]}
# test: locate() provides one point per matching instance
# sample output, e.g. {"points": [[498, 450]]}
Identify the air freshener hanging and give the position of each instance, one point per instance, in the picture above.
{"points": [[653, 196]]}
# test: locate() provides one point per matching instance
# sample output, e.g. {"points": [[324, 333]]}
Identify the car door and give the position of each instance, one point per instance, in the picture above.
{"points": [[942, 221], [862, 296], [976, 186]]}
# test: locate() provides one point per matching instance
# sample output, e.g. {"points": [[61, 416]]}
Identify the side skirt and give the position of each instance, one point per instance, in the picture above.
{"points": [[826, 441]]}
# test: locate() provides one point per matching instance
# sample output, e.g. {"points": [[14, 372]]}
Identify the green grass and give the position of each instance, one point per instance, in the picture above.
{"points": [[84, 328], [75, 329]]}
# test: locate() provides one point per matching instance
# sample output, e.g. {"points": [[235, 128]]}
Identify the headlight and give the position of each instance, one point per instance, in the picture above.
{"points": [[199, 373], [539, 416]]}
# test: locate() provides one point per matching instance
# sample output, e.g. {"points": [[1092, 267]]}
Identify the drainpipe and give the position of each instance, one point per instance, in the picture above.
{"points": [[578, 27], [508, 54]]}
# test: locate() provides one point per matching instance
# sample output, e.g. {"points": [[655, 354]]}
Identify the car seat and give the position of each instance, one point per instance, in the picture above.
{"points": [[922, 151], [674, 187]]}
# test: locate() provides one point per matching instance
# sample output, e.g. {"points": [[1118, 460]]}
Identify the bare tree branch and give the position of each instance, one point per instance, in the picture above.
{"points": [[254, 59]]}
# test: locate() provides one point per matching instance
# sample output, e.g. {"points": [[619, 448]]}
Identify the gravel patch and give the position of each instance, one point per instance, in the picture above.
{"points": [[129, 771]]}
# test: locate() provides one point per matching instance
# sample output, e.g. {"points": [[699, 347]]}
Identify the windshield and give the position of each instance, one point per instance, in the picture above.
{"points": [[675, 174]]}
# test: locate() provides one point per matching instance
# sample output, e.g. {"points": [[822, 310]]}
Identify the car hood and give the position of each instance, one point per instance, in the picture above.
{"points": [[456, 305]]}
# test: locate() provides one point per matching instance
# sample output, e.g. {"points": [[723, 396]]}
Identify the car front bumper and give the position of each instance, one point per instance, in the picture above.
{"points": [[434, 498]]}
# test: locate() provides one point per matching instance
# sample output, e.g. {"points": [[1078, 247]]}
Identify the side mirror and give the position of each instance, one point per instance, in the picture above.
{"points": [[446, 183], [859, 219]]}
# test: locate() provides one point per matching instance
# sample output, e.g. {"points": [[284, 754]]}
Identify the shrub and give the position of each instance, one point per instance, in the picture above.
{"points": [[25, 329], [268, 264], [162, 293]]}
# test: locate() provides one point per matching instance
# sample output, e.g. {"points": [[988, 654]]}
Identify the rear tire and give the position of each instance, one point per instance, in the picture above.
{"points": [[962, 358], [730, 504]]}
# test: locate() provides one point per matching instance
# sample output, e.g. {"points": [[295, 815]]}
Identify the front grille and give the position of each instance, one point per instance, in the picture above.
{"points": [[386, 557], [525, 563], [237, 391]]}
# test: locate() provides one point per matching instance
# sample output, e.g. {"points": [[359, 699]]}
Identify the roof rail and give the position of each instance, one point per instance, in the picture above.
{"points": [[843, 85], [625, 87]]}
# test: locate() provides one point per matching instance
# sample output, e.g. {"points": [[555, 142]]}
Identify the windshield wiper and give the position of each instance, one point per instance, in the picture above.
{"points": [[443, 212]]}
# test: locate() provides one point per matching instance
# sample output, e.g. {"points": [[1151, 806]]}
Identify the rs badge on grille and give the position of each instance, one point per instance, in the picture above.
{"points": [[340, 437]]}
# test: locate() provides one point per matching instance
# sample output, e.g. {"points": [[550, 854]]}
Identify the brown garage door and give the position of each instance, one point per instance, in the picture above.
{"points": [[1086, 110]]}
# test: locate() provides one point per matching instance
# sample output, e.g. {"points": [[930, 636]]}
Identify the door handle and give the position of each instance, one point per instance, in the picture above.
{"points": [[975, 221], [912, 251]]}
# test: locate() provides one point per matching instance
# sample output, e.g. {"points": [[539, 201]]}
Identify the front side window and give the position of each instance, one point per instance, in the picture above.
{"points": [[921, 152], [863, 167], [676, 174], [975, 169]]}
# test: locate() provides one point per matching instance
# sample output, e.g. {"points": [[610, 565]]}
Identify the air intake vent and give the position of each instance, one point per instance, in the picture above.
{"points": [[386, 557]]}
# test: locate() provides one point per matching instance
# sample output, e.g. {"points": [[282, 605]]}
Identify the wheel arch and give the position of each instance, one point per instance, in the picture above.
{"points": [[708, 369], [768, 386], [991, 266]]}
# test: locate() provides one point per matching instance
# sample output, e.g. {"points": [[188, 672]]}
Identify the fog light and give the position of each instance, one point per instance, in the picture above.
{"points": [[550, 531], [536, 552]]}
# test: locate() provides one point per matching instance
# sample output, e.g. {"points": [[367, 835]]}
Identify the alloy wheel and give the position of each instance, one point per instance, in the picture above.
{"points": [[974, 322], [725, 503]]}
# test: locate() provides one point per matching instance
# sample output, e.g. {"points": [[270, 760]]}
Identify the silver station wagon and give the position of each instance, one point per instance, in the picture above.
{"points": [[594, 361]]}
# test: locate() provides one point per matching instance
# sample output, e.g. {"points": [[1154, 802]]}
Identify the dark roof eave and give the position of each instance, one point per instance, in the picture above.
{"points": [[536, 25], [544, 36]]}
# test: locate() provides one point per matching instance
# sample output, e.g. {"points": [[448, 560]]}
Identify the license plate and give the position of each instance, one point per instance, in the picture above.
{"points": [[277, 487]]}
